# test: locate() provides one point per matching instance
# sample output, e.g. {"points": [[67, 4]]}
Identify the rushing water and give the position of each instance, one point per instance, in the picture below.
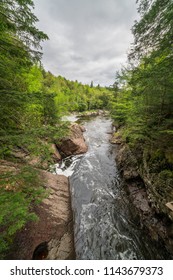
{"points": [[104, 225]]}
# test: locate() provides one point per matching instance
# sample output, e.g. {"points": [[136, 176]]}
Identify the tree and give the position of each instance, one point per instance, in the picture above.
{"points": [[19, 41], [152, 50], [153, 32], [19, 49], [18, 31], [34, 79], [92, 84]]}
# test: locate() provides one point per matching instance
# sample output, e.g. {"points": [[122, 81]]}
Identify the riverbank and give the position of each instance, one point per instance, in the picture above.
{"points": [[51, 236], [150, 207]]}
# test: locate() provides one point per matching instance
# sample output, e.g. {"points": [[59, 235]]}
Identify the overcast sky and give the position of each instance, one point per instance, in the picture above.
{"points": [[89, 39]]}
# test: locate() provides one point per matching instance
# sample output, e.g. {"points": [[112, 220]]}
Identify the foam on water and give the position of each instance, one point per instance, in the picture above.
{"points": [[67, 166]]}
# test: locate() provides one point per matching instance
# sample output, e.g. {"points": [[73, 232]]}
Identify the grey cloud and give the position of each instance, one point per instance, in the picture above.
{"points": [[88, 38]]}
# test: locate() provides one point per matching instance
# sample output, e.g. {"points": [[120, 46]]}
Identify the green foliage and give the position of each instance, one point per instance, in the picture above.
{"points": [[73, 96], [154, 30], [143, 95], [19, 189], [19, 42], [33, 79], [19, 34], [166, 174]]}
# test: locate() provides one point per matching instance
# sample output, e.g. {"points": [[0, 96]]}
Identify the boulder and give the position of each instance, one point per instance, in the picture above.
{"points": [[74, 143]]}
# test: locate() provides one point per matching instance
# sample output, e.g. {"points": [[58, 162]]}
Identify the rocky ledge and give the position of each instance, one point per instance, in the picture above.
{"points": [[52, 236], [155, 220], [73, 144]]}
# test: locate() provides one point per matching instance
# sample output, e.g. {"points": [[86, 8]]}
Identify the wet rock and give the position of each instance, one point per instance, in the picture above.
{"points": [[74, 143]]}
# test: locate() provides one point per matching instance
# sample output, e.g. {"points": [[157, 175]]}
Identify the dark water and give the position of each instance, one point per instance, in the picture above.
{"points": [[104, 225]]}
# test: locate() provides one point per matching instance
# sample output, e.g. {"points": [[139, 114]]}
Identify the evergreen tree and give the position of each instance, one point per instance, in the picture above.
{"points": [[144, 97], [19, 48], [92, 84]]}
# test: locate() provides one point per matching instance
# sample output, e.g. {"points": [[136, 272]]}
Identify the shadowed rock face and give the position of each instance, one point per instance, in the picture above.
{"points": [[139, 187], [51, 237], [74, 143]]}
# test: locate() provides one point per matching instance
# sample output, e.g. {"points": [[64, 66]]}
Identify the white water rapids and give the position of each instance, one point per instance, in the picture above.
{"points": [[105, 226]]}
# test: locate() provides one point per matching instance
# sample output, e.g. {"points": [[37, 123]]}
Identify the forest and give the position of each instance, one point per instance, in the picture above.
{"points": [[33, 101], [143, 101]]}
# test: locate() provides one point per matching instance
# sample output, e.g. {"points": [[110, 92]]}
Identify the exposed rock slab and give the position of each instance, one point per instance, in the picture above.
{"points": [[54, 229]]}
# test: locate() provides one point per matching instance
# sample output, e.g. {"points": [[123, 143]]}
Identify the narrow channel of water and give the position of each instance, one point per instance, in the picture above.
{"points": [[104, 226]]}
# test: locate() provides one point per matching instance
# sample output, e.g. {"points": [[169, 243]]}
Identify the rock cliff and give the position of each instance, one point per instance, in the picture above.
{"points": [[141, 184]]}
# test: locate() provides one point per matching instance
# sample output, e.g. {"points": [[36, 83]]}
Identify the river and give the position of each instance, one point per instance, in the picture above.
{"points": [[105, 227]]}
